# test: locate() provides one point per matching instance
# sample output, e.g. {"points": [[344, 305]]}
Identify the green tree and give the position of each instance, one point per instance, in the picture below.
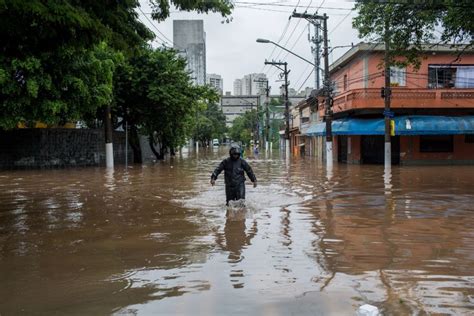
{"points": [[276, 124], [414, 23], [161, 8], [54, 66], [54, 63], [154, 94], [210, 124], [69, 86], [244, 127]]}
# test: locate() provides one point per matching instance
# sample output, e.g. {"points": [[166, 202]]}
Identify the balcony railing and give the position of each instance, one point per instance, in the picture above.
{"points": [[359, 99]]}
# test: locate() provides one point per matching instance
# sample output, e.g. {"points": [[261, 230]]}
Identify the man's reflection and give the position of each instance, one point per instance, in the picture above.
{"points": [[234, 240]]}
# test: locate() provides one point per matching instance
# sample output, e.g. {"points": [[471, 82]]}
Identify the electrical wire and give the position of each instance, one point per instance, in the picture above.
{"points": [[152, 24], [280, 39]]}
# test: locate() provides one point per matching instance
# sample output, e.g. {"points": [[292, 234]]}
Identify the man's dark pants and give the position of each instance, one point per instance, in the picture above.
{"points": [[234, 193]]}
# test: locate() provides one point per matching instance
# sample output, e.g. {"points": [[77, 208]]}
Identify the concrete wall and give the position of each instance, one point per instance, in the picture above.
{"points": [[57, 148], [463, 153]]}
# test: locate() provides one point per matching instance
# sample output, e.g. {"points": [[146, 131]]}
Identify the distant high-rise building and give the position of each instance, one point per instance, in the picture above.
{"points": [[238, 87], [254, 84], [251, 84], [189, 40], [216, 82]]}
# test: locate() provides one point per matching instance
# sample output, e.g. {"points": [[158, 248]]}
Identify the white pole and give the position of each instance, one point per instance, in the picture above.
{"points": [[126, 144], [197, 146], [329, 157], [109, 155], [287, 148], [388, 155]]}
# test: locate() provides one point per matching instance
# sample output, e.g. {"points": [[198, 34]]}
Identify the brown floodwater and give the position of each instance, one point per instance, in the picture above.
{"points": [[155, 239]]}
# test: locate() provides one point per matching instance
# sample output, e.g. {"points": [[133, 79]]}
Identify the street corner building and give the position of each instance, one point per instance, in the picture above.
{"points": [[432, 109]]}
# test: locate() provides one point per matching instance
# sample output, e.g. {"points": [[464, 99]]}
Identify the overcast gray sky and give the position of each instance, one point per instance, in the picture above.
{"points": [[231, 48]]}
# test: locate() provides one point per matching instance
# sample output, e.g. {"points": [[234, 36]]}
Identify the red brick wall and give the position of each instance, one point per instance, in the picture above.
{"points": [[410, 150]]}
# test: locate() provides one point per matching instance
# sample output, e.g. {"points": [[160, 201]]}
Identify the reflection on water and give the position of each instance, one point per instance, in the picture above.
{"points": [[156, 239]]}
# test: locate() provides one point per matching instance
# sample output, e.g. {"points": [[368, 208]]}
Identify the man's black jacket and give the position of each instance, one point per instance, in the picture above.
{"points": [[234, 171]]}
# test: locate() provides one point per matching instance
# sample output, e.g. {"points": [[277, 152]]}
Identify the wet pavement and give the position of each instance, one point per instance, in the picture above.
{"points": [[155, 239]]}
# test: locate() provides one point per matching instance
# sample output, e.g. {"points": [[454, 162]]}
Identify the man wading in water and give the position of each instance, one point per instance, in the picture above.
{"points": [[234, 168]]}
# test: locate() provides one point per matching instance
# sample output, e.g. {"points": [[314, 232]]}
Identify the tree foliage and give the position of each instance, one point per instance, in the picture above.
{"points": [[161, 8], [57, 57], [154, 93], [54, 63], [210, 124], [244, 127], [414, 23], [56, 87]]}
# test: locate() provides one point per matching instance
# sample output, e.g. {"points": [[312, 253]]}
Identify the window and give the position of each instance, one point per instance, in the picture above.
{"points": [[398, 76], [444, 76], [436, 144]]}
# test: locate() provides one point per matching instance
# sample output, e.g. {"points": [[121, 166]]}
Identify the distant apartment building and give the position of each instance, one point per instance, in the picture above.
{"points": [[216, 82], [251, 84], [238, 87], [189, 40], [235, 106]]}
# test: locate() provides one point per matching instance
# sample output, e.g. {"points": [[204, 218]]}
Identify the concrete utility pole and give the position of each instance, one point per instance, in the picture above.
{"points": [[109, 149], [387, 92], [316, 50], [314, 19], [287, 102], [266, 134]]}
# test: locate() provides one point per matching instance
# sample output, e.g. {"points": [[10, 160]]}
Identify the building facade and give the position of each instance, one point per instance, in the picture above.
{"points": [[251, 84], [432, 108], [235, 106], [216, 82], [238, 87], [189, 40]]}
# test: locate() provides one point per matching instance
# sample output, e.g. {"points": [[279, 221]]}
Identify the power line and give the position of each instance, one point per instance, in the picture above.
{"points": [[152, 24], [279, 40], [290, 5], [294, 29], [309, 75], [340, 22]]}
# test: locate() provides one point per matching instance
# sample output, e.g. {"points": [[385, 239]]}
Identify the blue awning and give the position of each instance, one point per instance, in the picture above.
{"points": [[404, 125]]}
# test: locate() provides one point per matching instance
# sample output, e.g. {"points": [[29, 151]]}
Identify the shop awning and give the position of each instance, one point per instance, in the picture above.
{"points": [[404, 125]]}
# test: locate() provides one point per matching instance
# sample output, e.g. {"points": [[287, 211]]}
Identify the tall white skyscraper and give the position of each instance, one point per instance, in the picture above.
{"points": [[216, 82], [251, 84], [189, 40], [238, 87]]}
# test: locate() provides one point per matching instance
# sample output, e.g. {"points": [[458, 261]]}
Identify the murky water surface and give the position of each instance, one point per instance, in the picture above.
{"points": [[156, 240]]}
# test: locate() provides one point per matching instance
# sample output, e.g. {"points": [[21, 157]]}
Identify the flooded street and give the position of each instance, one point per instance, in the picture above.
{"points": [[156, 240]]}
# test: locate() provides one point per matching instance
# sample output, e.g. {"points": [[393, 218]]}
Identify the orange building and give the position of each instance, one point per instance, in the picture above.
{"points": [[433, 107]]}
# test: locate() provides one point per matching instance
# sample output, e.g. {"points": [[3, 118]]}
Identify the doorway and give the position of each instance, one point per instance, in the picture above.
{"points": [[373, 148]]}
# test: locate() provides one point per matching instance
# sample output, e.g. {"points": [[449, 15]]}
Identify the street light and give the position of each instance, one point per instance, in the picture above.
{"points": [[265, 41]]}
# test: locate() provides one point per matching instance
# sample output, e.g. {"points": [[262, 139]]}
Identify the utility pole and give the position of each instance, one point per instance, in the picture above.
{"points": [[266, 128], [267, 117], [287, 102], [316, 50], [314, 19], [387, 93], [109, 149]]}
